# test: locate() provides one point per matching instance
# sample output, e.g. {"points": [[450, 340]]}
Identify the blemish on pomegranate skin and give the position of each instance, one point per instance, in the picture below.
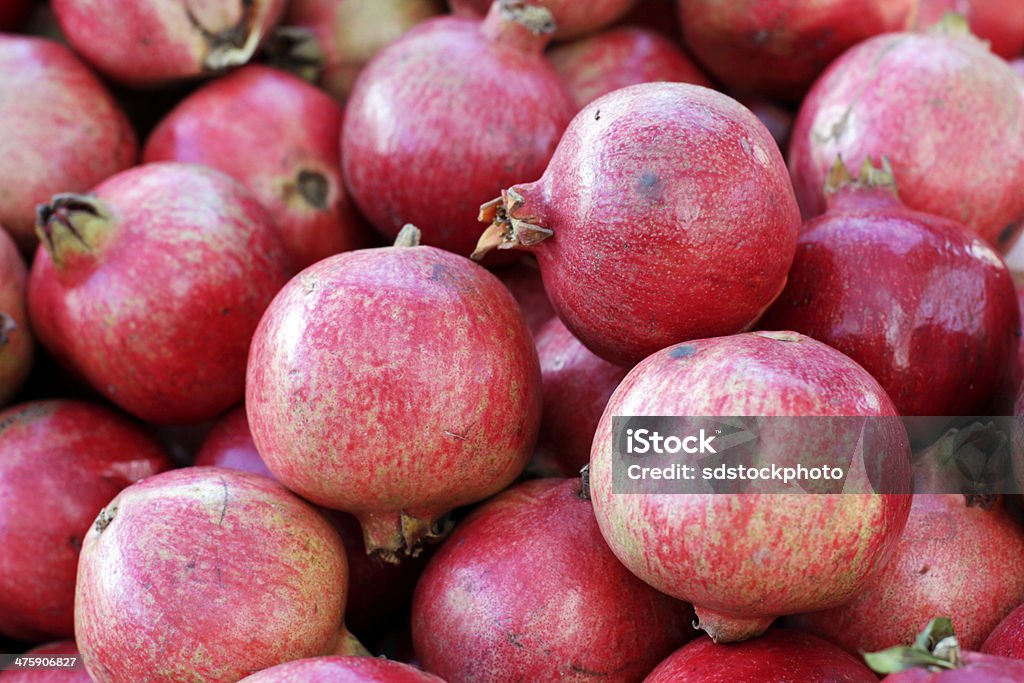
{"points": [[923, 570], [104, 519], [684, 351]]}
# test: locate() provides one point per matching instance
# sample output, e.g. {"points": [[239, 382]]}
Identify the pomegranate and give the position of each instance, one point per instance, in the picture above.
{"points": [[208, 574], [16, 347], [643, 253], [953, 559], [620, 57], [342, 670], [1007, 639], [229, 444], [744, 560], [60, 462], [577, 385], [349, 33], [232, 123], [572, 18], [852, 111], [779, 655], [872, 278], [13, 13], [523, 280], [416, 384], [162, 332], [999, 22], [777, 48], [423, 141], [63, 132], [582, 616], [63, 647], [154, 42], [1018, 65]]}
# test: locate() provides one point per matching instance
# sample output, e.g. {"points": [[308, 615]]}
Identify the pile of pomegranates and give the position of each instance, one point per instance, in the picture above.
{"points": [[500, 341]]}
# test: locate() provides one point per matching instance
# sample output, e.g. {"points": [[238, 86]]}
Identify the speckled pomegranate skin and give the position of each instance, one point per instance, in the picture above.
{"points": [[152, 42], [16, 346], [874, 280], [952, 560], [64, 647], [63, 130], [395, 384], [777, 49], [1007, 638], [159, 316], [342, 670], [954, 134], [207, 574], [60, 463], [572, 18], [743, 560], [526, 590], [444, 118], [1000, 23], [779, 655], [672, 219], [525, 283], [278, 136], [619, 57], [976, 668]]}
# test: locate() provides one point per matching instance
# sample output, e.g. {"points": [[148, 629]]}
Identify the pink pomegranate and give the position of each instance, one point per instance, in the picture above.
{"points": [[63, 130], [972, 667], [953, 560], [743, 560], [1007, 638], [349, 33], [151, 286], [523, 280], [13, 13], [60, 462], [416, 382], [1018, 65], [853, 112], [872, 279], [642, 254], [16, 347], [78, 674], [577, 385], [233, 123], [777, 49], [208, 574], [999, 22], [152, 42], [779, 655], [572, 19], [528, 591], [619, 57], [342, 670], [422, 140]]}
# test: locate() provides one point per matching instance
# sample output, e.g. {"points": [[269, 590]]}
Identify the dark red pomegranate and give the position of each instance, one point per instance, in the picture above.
{"points": [[60, 463], [16, 346], [872, 279], [151, 286], [232, 125], [1007, 638], [664, 215], [779, 655], [525, 589], [743, 560], [78, 674], [999, 22], [423, 141], [572, 18], [63, 132], [342, 670], [524, 281], [415, 382], [899, 95]]}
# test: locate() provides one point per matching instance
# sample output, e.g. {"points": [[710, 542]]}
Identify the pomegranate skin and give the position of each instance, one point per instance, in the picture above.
{"points": [[620, 57], [777, 49], [428, 366], [60, 463], [872, 279], [154, 42], [16, 346], [233, 123], [657, 237], [525, 283], [577, 386], [207, 574], [996, 21], [195, 305], [63, 647], [572, 19], [342, 670], [1007, 638], [582, 617], [851, 112], [423, 142], [975, 668], [778, 655], [952, 560], [229, 444], [712, 549], [63, 130]]}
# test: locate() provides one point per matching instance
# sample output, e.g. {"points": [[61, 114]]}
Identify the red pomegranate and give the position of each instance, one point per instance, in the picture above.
{"points": [[524, 281], [245, 125], [422, 140], [77, 674], [60, 463], [525, 589], [342, 670], [16, 347], [779, 655], [999, 22], [649, 239], [151, 287], [63, 132], [743, 560], [415, 382], [208, 574], [898, 95], [1007, 638], [572, 19], [153, 42]]}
